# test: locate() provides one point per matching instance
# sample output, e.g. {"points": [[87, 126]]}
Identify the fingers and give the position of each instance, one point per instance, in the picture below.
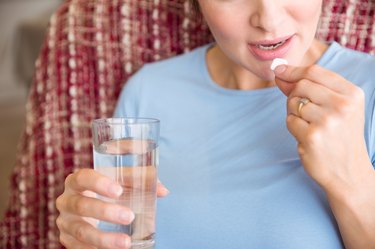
{"points": [[79, 209], [75, 233], [89, 179], [78, 203], [161, 190], [310, 112], [297, 127], [95, 208], [314, 73], [321, 101], [70, 242], [316, 93], [133, 146]]}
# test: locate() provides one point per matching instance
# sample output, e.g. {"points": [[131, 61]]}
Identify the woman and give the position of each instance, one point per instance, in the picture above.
{"points": [[243, 170]]}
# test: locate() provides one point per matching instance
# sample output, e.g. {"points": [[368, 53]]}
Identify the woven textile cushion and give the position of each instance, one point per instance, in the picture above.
{"points": [[90, 50]]}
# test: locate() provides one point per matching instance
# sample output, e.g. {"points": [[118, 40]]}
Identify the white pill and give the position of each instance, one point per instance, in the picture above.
{"points": [[277, 62]]}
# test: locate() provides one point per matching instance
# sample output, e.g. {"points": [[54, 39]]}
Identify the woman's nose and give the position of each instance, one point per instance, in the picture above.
{"points": [[269, 15]]}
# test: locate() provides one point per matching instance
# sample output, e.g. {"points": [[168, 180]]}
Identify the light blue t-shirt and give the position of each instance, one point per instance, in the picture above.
{"points": [[231, 166]]}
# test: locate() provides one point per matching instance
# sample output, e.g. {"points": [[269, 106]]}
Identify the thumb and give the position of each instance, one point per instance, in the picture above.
{"points": [[161, 190], [284, 86]]}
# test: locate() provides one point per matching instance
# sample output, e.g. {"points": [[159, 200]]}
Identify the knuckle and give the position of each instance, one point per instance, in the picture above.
{"points": [[299, 87], [66, 242], [60, 203], [304, 83], [289, 122], [313, 136], [60, 223], [327, 121], [289, 119], [312, 70], [80, 176], [301, 149], [346, 107], [331, 121], [357, 93], [63, 240], [79, 233], [69, 179]]}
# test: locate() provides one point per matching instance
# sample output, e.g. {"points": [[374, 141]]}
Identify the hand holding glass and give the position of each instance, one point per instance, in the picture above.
{"points": [[126, 151]]}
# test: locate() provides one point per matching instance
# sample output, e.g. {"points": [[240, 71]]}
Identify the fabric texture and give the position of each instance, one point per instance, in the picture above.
{"points": [[232, 167], [90, 49]]}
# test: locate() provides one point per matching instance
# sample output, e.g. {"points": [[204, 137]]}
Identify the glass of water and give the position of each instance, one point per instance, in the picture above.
{"points": [[126, 151]]}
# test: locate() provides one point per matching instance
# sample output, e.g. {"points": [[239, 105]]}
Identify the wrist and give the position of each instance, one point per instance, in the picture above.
{"points": [[353, 206], [353, 191]]}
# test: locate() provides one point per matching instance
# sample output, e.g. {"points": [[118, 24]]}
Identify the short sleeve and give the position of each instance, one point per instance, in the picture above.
{"points": [[371, 129]]}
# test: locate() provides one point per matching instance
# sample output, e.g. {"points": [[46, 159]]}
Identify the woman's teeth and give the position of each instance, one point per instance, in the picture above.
{"points": [[271, 46]]}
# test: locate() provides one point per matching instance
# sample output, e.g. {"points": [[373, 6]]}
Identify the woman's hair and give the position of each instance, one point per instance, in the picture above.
{"points": [[195, 6]]}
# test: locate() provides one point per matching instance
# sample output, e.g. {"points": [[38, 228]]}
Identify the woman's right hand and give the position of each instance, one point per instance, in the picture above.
{"points": [[80, 210]]}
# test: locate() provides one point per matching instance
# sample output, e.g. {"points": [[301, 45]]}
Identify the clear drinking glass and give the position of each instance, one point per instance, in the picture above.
{"points": [[126, 150]]}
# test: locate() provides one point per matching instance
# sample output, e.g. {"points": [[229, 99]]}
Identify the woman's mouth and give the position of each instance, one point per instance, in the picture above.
{"points": [[272, 46], [271, 49]]}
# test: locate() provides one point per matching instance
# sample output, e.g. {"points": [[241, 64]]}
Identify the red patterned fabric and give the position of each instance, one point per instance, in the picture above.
{"points": [[90, 50], [350, 23]]}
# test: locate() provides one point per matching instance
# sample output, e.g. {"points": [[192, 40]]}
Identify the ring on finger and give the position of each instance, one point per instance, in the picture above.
{"points": [[301, 103]]}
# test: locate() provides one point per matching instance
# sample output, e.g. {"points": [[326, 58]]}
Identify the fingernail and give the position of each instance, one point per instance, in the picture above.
{"points": [[115, 189], [127, 217], [280, 69], [123, 243]]}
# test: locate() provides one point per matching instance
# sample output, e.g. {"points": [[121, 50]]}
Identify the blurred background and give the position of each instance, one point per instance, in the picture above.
{"points": [[22, 27]]}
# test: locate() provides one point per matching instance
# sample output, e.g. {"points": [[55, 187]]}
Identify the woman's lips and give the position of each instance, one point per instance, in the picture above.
{"points": [[271, 49]]}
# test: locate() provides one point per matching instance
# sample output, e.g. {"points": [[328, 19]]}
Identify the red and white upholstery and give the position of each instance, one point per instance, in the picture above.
{"points": [[90, 50]]}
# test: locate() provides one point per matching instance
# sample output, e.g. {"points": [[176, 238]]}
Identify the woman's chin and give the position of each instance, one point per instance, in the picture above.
{"points": [[267, 75]]}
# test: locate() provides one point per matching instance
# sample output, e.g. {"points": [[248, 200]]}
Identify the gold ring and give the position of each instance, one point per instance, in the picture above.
{"points": [[301, 103]]}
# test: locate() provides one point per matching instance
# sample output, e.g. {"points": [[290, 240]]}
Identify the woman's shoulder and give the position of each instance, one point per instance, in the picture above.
{"points": [[348, 62], [171, 73]]}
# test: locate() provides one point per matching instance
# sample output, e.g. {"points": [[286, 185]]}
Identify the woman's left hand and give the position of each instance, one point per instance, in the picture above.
{"points": [[330, 127]]}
